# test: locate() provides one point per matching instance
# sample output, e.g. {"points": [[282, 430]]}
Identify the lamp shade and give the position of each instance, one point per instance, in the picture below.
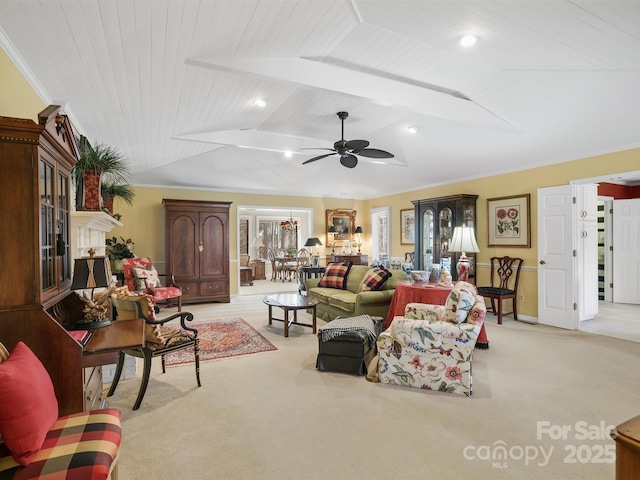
{"points": [[464, 240], [332, 229], [358, 229], [313, 242], [91, 272]]}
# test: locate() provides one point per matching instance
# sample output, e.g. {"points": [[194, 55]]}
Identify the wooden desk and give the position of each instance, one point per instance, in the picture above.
{"points": [[105, 343], [428, 293]]}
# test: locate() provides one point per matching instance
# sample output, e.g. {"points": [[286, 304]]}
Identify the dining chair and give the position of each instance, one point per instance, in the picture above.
{"points": [[505, 276]]}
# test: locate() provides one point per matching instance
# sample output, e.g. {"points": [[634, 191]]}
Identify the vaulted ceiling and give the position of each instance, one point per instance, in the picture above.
{"points": [[171, 85]]}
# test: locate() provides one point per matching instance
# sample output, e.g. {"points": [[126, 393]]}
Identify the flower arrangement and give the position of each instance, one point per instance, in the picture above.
{"points": [[116, 250]]}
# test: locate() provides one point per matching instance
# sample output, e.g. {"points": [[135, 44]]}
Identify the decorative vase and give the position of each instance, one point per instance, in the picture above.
{"points": [[91, 190], [107, 203]]}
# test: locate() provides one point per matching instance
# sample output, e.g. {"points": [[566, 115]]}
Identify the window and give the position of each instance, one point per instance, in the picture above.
{"points": [[380, 240]]}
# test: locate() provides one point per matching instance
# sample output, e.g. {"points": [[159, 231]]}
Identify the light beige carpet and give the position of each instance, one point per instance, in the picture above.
{"points": [[273, 416]]}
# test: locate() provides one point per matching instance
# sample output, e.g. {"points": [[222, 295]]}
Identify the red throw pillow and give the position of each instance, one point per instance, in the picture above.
{"points": [[335, 275], [375, 279], [28, 403]]}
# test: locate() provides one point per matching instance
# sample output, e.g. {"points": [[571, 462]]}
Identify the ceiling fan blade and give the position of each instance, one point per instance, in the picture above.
{"points": [[349, 161], [318, 158], [356, 144], [374, 153]]}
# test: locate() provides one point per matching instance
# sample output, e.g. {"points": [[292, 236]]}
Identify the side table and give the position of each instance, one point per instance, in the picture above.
{"points": [[260, 270], [306, 273]]}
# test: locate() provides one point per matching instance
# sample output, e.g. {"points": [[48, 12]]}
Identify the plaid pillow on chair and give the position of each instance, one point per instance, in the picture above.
{"points": [[335, 275], [375, 279]]}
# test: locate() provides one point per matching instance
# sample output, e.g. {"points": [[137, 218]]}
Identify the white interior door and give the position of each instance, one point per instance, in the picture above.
{"points": [[556, 290], [626, 251]]}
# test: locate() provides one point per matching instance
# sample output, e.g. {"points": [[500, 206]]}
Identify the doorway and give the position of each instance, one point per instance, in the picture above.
{"points": [[613, 319], [257, 222]]}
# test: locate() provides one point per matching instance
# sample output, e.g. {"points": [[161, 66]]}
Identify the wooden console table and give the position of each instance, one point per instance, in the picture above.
{"points": [[355, 259]]}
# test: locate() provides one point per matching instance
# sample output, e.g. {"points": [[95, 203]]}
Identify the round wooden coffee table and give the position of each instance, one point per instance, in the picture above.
{"points": [[291, 302]]}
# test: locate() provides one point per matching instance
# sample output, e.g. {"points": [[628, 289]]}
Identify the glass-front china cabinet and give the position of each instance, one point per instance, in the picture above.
{"points": [[435, 219]]}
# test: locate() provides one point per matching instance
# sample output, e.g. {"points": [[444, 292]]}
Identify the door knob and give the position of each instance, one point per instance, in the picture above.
{"points": [[200, 248], [542, 262]]}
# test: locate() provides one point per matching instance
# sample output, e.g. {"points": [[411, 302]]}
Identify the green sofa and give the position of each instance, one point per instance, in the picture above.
{"points": [[351, 302]]}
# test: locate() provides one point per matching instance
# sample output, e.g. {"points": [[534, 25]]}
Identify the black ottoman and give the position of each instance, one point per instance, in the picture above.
{"points": [[348, 351]]}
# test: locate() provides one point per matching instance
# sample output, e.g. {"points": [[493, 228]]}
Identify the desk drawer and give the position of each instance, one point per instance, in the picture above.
{"points": [[93, 388]]}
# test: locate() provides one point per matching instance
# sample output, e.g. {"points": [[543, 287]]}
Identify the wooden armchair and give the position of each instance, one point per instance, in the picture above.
{"points": [[159, 338], [141, 277]]}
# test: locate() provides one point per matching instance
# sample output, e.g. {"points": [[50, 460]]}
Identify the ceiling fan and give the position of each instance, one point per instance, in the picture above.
{"points": [[349, 149]]}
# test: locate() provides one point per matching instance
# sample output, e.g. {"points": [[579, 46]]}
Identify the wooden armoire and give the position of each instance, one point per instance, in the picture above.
{"points": [[197, 242], [35, 258]]}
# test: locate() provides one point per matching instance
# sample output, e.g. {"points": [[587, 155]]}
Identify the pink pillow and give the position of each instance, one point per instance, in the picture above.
{"points": [[29, 404]]}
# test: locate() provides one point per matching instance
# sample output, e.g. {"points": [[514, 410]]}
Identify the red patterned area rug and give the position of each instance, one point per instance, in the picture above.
{"points": [[221, 339]]}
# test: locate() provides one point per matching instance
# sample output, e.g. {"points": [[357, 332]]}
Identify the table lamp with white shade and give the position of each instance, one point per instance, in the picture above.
{"points": [[257, 243], [464, 240]]}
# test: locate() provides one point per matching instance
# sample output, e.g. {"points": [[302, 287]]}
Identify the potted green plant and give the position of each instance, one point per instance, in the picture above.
{"points": [[112, 190], [96, 163], [117, 250]]}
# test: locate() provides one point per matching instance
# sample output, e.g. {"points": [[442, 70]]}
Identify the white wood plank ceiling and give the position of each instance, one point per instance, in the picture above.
{"points": [[171, 85]]}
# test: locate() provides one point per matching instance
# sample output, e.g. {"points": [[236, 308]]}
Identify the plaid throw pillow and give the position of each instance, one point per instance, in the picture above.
{"points": [[335, 275], [375, 279]]}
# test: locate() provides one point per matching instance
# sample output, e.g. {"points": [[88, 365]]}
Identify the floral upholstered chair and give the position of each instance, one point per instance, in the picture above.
{"points": [[431, 346], [140, 276]]}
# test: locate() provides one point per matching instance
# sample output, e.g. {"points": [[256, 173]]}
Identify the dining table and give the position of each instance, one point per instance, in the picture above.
{"points": [[408, 291]]}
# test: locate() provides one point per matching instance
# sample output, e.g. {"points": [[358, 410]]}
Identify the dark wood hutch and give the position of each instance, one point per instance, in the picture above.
{"points": [[435, 219], [35, 258]]}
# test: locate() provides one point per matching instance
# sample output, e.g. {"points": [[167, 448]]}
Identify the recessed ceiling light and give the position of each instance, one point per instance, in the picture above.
{"points": [[412, 130], [468, 40], [288, 154], [260, 102]]}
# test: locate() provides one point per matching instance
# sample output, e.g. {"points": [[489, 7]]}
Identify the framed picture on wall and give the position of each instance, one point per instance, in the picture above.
{"points": [[344, 223], [509, 221], [407, 227]]}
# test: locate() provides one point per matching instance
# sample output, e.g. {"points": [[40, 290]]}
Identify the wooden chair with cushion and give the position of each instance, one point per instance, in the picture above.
{"points": [[245, 261], [35, 443], [159, 338], [505, 275], [275, 265], [141, 277]]}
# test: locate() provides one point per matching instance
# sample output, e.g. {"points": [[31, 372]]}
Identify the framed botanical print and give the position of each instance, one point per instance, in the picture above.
{"points": [[407, 227], [509, 221], [344, 223]]}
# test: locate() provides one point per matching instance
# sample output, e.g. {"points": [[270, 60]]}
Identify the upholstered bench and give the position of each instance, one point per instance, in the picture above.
{"points": [[347, 344], [37, 444]]}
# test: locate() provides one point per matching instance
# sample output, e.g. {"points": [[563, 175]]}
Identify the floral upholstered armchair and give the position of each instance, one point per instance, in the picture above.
{"points": [[431, 346], [140, 276]]}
